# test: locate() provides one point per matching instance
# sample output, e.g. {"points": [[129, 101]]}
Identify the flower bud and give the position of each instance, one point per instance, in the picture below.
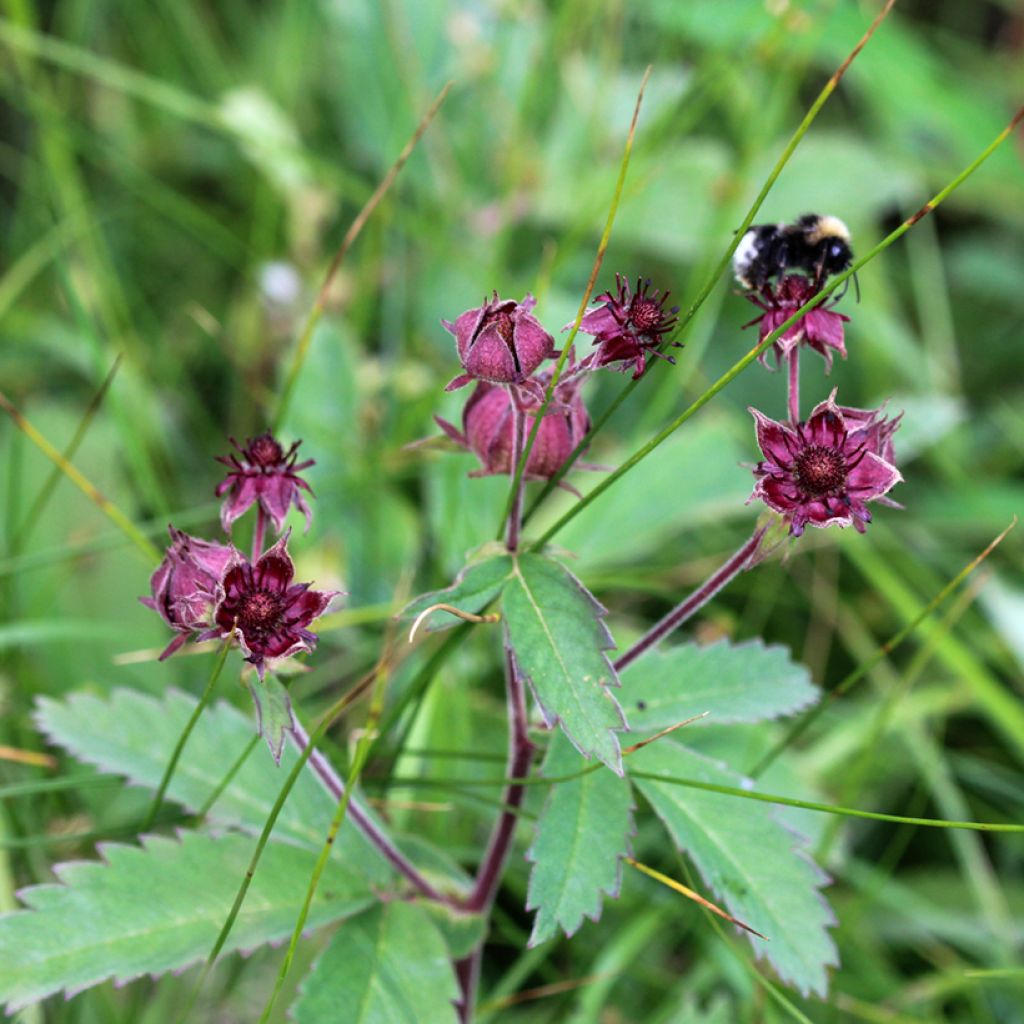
{"points": [[263, 472], [500, 342], [188, 584], [488, 424]]}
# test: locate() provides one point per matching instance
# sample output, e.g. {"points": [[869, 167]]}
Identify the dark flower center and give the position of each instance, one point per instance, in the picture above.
{"points": [[265, 452], [646, 315], [506, 329], [259, 612], [820, 470]]}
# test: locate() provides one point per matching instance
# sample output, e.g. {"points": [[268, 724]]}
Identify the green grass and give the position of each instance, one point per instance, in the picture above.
{"points": [[161, 158]]}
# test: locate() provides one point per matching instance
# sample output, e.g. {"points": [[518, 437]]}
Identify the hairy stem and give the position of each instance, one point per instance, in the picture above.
{"points": [[362, 820], [515, 512], [492, 867], [793, 360], [700, 597], [259, 533]]}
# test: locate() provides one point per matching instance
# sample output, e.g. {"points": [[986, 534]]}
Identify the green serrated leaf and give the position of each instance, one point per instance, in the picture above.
{"points": [[755, 865], [583, 832], [133, 735], [474, 589], [556, 630], [745, 682], [159, 908], [389, 966], [274, 717]]}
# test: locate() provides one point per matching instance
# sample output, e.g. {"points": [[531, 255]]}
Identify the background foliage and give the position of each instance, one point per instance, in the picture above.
{"points": [[174, 180]]}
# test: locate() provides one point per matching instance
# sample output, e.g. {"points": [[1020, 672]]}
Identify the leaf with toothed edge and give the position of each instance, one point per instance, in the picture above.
{"points": [[274, 718], [759, 868], [476, 586], [132, 734], [747, 682], [159, 908], [583, 833], [556, 630], [389, 966]]}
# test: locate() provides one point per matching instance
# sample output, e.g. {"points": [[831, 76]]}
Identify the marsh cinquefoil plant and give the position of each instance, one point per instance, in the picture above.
{"points": [[409, 921]]}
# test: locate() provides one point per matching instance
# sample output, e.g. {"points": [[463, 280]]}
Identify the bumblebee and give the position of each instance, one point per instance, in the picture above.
{"points": [[817, 245]]}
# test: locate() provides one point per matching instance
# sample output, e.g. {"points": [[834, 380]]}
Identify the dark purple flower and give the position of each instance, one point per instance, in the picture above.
{"points": [[487, 425], [267, 474], [825, 470], [264, 611], [500, 341], [629, 326], [821, 329], [187, 585]]}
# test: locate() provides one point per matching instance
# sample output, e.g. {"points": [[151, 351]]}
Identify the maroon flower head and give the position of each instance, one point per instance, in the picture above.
{"points": [[265, 612], [487, 426], [500, 342], [824, 471], [187, 585], [629, 326], [821, 329], [263, 472]]}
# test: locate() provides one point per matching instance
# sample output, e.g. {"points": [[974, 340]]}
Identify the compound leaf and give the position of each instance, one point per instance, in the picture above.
{"points": [[159, 907], [583, 833], [389, 966], [745, 682], [132, 734], [755, 865], [556, 631]]}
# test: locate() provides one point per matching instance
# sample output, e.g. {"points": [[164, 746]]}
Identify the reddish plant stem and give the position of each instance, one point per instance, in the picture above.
{"points": [[259, 533], [700, 597], [362, 820], [515, 515], [492, 867], [794, 384]]}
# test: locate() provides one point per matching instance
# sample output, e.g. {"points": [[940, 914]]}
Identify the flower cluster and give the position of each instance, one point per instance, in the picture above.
{"points": [[502, 347], [821, 471], [209, 591]]}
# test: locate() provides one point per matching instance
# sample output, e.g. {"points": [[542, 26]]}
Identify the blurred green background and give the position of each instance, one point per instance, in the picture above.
{"points": [[175, 178]]}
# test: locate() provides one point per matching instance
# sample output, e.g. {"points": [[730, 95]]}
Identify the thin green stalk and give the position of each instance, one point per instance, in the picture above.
{"points": [[746, 794], [817, 300], [106, 506], [204, 810], [366, 742], [46, 491], [723, 263], [306, 337], [36, 786], [520, 466], [800, 727], [186, 732]]}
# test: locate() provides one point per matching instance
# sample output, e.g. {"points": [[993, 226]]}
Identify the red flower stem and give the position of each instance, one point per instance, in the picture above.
{"points": [[362, 820], [700, 597], [492, 867], [515, 512], [794, 384], [258, 533]]}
